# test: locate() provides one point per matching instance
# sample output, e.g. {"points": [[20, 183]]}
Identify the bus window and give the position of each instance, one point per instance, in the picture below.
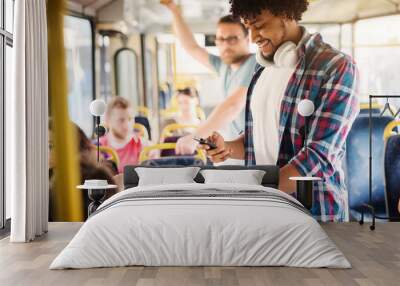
{"points": [[346, 41], [149, 78], [378, 55], [79, 52], [164, 63], [329, 32], [126, 75]]}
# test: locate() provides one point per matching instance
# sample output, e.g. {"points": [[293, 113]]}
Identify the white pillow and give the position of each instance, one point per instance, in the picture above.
{"points": [[247, 177], [166, 176]]}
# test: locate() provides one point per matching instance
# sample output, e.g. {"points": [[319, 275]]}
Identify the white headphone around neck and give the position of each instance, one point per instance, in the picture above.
{"points": [[285, 56]]}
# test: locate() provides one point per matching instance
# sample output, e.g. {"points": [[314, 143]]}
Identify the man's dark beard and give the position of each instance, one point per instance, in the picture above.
{"points": [[271, 57]]}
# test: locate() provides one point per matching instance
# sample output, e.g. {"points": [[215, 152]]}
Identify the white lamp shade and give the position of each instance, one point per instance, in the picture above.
{"points": [[306, 108], [98, 107]]}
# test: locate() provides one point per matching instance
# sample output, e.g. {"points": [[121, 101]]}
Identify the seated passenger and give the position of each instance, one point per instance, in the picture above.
{"points": [[88, 154], [89, 168], [188, 101], [120, 135]]}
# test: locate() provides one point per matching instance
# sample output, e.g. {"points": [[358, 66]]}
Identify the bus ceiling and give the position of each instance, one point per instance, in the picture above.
{"points": [[146, 16]]}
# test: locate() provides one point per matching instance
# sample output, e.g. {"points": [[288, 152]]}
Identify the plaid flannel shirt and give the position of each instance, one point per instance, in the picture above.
{"points": [[329, 79]]}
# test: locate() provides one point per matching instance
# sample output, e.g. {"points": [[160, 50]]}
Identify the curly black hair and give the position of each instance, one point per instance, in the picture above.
{"points": [[291, 9]]}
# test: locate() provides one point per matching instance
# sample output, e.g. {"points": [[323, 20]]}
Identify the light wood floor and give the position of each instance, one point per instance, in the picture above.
{"points": [[375, 257]]}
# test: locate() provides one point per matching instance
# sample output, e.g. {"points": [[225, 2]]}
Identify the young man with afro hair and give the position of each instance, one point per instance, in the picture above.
{"points": [[294, 65]]}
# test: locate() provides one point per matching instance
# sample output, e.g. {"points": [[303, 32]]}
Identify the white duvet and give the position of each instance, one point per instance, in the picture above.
{"points": [[206, 231]]}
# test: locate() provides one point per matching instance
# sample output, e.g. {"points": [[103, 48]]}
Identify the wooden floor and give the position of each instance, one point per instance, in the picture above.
{"points": [[375, 257]]}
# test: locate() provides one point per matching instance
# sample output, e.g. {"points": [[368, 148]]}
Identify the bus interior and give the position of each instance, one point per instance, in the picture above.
{"points": [[128, 49]]}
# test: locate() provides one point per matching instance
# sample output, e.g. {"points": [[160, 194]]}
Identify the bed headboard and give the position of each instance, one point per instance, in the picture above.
{"points": [[271, 178]]}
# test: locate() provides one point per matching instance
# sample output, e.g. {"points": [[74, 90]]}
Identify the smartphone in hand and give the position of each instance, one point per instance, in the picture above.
{"points": [[202, 141]]}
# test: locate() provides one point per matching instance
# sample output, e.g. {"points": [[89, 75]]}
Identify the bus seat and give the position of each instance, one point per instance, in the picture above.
{"points": [[173, 103], [163, 99], [172, 112], [198, 159], [145, 122], [366, 111], [357, 165], [169, 130], [168, 113], [174, 161], [169, 152], [376, 108], [141, 130], [110, 154], [392, 169], [144, 111]]}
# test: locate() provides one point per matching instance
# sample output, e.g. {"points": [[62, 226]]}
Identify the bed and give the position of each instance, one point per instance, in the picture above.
{"points": [[198, 224]]}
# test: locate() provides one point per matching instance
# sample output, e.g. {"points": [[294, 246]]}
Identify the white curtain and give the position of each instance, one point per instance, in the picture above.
{"points": [[27, 124]]}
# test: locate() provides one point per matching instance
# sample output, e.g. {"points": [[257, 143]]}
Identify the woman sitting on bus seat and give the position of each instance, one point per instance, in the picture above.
{"points": [[120, 136], [89, 168], [188, 101]]}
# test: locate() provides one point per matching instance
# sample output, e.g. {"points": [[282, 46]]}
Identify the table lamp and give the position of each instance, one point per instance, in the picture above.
{"points": [[97, 109]]}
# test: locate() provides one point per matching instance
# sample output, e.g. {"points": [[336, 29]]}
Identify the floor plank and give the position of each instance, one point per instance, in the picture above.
{"points": [[375, 257]]}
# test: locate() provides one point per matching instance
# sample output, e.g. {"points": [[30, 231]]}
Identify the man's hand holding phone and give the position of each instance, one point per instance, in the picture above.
{"points": [[217, 149]]}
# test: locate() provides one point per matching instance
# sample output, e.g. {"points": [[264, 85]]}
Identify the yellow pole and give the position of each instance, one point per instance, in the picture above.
{"points": [[67, 199], [174, 65]]}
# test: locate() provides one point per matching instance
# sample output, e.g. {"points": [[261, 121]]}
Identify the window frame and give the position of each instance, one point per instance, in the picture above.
{"points": [[117, 80], [373, 47], [92, 23]]}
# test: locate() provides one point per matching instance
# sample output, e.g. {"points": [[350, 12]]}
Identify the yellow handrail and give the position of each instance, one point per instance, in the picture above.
{"points": [[169, 129], [144, 155], [173, 103], [389, 129], [200, 113], [144, 110], [111, 152], [169, 112], [375, 105]]}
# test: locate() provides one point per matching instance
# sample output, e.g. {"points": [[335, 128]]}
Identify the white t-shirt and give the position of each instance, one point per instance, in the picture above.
{"points": [[265, 108], [266, 102]]}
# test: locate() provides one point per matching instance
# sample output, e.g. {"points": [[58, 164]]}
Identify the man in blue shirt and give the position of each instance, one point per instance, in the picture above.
{"points": [[235, 67]]}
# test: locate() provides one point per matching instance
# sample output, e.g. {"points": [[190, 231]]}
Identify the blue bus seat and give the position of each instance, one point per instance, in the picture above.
{"points": [[366, 111], [162, 101], [357, 165], [174, 161], [145, 122], [392, 175]]}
